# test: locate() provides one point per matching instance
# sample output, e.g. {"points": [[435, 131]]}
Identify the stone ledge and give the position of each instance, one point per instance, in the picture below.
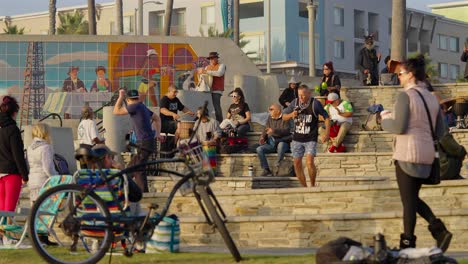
{"points": [[324, 217], [386, 186], [345, 154], [246, 178]]}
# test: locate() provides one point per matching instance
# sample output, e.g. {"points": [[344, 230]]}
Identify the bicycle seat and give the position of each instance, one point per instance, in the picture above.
{"points": [[90, 154]]}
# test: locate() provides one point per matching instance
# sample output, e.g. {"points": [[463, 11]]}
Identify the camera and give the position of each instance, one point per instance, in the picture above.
{"points": [[298, 109]]}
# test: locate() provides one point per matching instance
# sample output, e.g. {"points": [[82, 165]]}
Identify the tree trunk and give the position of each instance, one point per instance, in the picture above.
{"points": [[52, 16], [91, 17], [398, 49], [236, 22], [168, 17], [118, 17]]}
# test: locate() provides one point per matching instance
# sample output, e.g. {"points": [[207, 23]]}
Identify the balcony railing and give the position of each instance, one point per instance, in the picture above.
{"points": [[180, 30], [359, 32]]}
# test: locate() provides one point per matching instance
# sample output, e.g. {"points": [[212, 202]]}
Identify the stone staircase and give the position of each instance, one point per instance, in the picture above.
{"points": [[357, 194]]}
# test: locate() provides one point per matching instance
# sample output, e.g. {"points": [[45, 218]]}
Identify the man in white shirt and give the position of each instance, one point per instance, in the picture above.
{"points": [[341, 114], [216, 70]]}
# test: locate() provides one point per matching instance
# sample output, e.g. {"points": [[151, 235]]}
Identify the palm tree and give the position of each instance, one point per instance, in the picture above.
{"points": [[212, 32], [92, 17], [72, 24], [12, 29], [52, 16], [119, 17]]}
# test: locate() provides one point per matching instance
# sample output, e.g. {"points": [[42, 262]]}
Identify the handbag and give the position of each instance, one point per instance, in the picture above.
{"points": [[434, 176]]}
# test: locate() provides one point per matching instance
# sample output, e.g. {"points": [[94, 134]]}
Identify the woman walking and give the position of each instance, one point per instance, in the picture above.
{"points": [[414, 149]]}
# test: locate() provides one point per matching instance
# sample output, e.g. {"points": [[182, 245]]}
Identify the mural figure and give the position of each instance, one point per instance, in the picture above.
{"points": [[73, 83], [148, 83], [101, 84]]}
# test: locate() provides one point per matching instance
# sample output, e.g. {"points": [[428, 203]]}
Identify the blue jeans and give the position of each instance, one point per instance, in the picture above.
{"points": [[282, 148]]}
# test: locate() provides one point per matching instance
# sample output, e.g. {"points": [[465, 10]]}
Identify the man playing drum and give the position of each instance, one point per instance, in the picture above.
{"points": [[170, 105]]}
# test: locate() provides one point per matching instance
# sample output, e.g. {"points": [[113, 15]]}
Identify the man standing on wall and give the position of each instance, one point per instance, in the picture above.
{"points": [[305, 110], [368, 63], [216, 70]]}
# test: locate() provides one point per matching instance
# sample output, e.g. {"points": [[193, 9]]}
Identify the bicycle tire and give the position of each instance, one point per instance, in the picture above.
{"points": [[219, 223], [64, 194]]}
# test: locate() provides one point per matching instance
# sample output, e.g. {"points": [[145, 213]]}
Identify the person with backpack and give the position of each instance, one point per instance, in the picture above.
{"points": [[40, 156], [417, 117], [305, 111]]}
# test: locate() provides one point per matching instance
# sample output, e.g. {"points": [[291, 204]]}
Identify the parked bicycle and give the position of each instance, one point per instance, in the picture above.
{"points": [[86, 220]]}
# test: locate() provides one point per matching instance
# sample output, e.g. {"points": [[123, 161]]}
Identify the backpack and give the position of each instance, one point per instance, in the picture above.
{"points": [[374, 120], [233, 145], [61, 164], [166, 236]]}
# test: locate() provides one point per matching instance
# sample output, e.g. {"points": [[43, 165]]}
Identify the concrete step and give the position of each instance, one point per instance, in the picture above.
{"points": [[165, 184]]}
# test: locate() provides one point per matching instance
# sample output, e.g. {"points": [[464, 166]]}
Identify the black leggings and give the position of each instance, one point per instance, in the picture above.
{"points": [[409, 192]]}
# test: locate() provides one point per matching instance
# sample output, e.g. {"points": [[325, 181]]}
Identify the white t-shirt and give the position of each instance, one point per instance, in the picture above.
{"points": [[87, 131], [345, 107]]}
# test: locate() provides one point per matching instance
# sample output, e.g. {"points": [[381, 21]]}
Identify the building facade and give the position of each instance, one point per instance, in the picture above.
{"points": [[454, 10], [340, 27]]}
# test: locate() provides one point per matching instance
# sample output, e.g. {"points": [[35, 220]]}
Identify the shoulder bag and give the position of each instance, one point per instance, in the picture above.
{"points": [[434, 176]]}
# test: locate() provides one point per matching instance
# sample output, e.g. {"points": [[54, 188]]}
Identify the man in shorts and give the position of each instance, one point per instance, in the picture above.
{"points": [[305, 111]]}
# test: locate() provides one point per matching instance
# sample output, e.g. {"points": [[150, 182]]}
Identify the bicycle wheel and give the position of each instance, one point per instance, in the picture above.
{"points": [[218, 222], [79, 225]]}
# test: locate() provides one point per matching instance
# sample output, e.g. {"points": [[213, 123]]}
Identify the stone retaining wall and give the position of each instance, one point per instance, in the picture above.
{"points": [[312, 231], [377, 198]]}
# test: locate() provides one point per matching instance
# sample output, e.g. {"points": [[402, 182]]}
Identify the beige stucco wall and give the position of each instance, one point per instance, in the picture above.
{"points": [[38, 23], [458, 13]]}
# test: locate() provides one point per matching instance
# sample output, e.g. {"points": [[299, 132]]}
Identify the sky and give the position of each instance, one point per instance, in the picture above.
{"points": [[15, 7]]}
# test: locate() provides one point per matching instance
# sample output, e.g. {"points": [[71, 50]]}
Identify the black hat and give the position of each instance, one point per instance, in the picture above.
{"points": [[213, 54], [132, 94]]}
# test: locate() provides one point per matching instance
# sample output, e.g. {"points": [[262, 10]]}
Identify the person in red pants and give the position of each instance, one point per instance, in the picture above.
{"points": [[13, 169]]}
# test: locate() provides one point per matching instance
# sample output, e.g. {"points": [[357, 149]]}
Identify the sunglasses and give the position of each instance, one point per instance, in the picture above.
{"points": [[402, 72], [326, 69], [270, 109], [234, 96]]}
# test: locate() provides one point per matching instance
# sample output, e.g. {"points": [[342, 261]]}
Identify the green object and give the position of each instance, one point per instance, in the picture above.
{"points": [[317, 89], [324, 86]]}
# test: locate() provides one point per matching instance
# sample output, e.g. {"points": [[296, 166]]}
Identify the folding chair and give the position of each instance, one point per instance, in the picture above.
{"points": [[18, 232]]}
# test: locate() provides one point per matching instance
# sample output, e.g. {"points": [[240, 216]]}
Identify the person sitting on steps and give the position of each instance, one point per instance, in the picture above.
{"points": [[341, 114]]}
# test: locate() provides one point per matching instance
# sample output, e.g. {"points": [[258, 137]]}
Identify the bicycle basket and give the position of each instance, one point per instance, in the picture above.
{"points": [[198, 160]]}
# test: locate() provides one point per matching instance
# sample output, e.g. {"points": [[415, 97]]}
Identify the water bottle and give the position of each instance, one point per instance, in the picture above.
{"points": [[251, 170], [380, 248]]}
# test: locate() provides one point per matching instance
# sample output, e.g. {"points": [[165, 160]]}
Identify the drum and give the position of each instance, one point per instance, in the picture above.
{"points": [[460, 108], [209, 148], [321, 99], [185, 129]]}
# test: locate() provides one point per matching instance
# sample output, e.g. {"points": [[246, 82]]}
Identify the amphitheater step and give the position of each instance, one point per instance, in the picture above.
{"points": [[375, 198], [312, 231], [165, 184]]}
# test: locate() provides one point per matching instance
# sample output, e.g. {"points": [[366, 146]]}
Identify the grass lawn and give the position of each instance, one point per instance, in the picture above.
{"points": [[30, 256]]}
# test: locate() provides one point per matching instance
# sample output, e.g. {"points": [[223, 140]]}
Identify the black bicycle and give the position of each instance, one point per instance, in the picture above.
{"points": [[87, 219]]}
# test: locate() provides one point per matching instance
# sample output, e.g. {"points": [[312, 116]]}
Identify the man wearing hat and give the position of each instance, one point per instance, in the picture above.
{"points": [[216, 70], [289, 93], [368, 62], [73, 83], [341, 115], [143, 121]]}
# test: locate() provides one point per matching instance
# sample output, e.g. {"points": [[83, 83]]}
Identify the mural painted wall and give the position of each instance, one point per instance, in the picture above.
{"points": [[60, 77]]}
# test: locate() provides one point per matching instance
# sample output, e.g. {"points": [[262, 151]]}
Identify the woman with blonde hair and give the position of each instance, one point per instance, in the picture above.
{"points": [[40, 158]]}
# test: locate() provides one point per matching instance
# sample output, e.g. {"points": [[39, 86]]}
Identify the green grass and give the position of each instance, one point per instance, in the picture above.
{"points": [[30, 256]]}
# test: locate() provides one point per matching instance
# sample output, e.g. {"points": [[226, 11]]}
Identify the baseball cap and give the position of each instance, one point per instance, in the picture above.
{"points": [[132, 94], [105, 148], [332, 97]]}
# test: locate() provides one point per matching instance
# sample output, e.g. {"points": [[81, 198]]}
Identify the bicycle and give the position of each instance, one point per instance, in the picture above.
{"points": [[84, 215]]}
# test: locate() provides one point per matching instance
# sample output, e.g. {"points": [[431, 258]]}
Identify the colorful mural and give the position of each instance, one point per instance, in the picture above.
{"points": [[71, 74]]}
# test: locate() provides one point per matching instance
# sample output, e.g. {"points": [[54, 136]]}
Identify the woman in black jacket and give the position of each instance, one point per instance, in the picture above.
{"points": [[13, 170], [289, 93], [331, 79]]}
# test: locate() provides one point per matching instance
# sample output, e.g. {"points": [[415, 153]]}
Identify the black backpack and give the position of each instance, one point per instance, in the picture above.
{"points": [[61, 165]]}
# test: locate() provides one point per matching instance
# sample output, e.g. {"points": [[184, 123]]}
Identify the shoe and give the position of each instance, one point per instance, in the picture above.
{"points": [[266, 173], [332, 149], [341, 148], [440, 234], [407, 241], [45, 240]]}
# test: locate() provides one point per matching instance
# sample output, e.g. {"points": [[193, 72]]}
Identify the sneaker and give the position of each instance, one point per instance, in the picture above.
{"points": [[341, 148], [266, 173], [332, 149], [276, 170]]}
